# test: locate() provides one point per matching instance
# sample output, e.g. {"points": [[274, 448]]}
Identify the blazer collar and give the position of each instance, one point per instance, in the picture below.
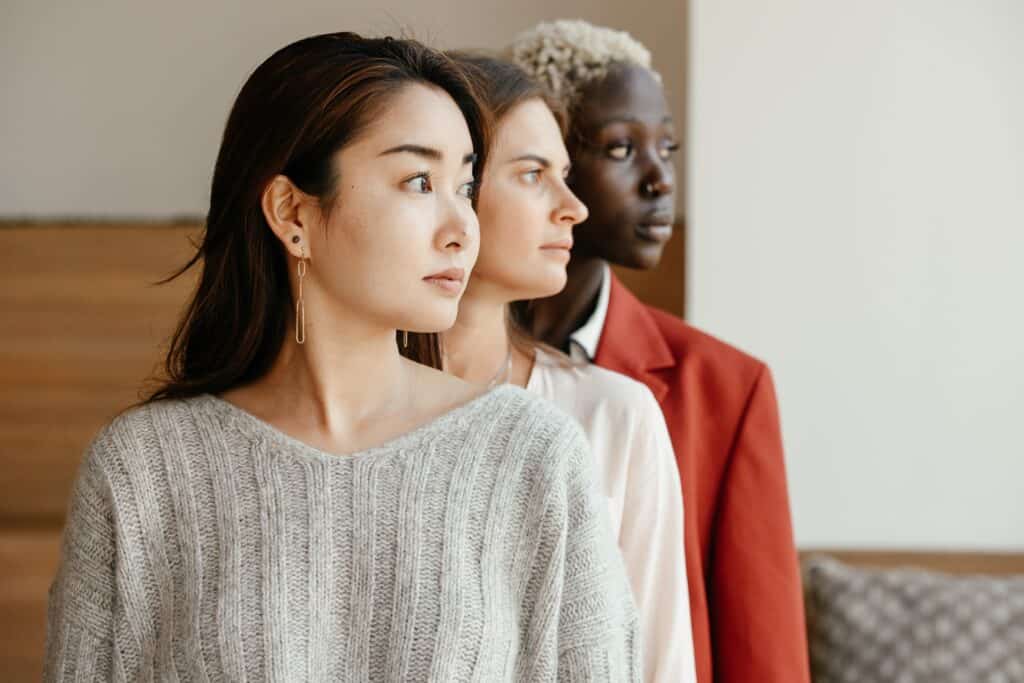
{"points": [[632, 342]]}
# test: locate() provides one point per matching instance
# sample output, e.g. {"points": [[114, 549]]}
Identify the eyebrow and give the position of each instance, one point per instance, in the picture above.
{"points": [[427, 153], [532, 157], [630, 119]]}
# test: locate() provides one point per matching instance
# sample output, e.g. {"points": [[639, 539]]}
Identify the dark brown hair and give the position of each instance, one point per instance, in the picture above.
{"points": [[295, 112], [501, 86]]}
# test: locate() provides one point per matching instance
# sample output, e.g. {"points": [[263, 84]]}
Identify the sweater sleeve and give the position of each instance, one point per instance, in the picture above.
{"points": [[79, 624], [598, 629], [651, 539]]}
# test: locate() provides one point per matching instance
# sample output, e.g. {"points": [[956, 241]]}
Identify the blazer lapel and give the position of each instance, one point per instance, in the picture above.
{"points": [[631, 341]]}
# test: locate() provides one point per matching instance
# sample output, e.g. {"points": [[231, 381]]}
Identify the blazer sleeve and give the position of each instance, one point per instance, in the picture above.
{"points": [[755, 593]]}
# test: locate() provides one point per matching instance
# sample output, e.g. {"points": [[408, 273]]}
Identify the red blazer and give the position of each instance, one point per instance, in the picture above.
{"points": [[719, 404]]}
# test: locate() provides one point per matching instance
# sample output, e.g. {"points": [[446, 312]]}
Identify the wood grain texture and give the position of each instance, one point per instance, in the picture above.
{"points": [[84, 325], [961, 563], [28, 560]]}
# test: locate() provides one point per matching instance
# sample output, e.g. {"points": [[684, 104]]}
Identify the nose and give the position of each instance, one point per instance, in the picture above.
{"points": [[659, 180], [459, 230], [570, 211]]}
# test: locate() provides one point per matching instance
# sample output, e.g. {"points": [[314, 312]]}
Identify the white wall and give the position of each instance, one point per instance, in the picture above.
{"points": [[115, 109], [856, 185]]}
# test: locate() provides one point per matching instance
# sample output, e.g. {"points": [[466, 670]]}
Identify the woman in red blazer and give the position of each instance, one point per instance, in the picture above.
{"points": [[719, 403]]}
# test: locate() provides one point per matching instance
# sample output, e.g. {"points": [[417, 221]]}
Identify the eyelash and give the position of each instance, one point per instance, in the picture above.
{"points": [[536, 173], [420, 176], [665, 152], [467, 190]]}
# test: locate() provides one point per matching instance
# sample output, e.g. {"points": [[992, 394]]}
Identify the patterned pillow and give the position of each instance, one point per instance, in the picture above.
{"points": [[912, 626]]}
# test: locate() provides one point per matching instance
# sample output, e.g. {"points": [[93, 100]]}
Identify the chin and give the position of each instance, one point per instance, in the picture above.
{"points": [[552, 284], [536, 279], [639, 256], [429, 319]]}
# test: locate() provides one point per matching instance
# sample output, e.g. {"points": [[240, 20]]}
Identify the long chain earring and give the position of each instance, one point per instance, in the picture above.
{"points": [[405, 339], [300, 306]]}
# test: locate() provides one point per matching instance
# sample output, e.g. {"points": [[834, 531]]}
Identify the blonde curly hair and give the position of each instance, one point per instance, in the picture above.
{"points": [[567, 54]]}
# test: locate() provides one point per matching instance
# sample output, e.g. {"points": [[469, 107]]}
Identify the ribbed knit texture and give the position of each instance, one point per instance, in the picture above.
{"points": [[204, 545]]}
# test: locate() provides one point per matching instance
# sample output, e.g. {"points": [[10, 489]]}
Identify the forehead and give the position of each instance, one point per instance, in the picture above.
{"points": [[529, 124], [628, 91], [418, 114]]}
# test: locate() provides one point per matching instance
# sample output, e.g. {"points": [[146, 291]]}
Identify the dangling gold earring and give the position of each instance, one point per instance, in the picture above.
{"points": [[405, 339], [300, 306]]}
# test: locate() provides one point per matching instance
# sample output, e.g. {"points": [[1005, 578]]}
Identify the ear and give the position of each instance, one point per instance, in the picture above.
{"points": [[282, 202]]}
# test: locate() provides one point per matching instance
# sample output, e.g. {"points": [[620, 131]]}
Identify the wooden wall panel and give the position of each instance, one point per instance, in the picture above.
{"points": [[82, 328], [28, 560], [996, 564]]}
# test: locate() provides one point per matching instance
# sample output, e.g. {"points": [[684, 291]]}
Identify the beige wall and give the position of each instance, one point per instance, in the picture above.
{"points": [[856, 218], [115, 109]]}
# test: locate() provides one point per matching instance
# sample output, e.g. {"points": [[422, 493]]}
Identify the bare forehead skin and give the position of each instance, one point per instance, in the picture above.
{"points": [[529, 127], [417, 114], [628, 91]]}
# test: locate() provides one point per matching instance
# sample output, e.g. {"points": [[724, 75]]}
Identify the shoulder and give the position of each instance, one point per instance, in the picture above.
{"points": [[699, 346], [587, 381], [614, 388], [624, 422], [152, 417], [136, 435], [529, 415], [695, 351], [714, 369], [536, 429], [611, 397]]}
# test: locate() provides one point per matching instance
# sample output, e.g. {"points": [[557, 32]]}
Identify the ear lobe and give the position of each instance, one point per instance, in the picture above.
{"points": [[280, 204]]}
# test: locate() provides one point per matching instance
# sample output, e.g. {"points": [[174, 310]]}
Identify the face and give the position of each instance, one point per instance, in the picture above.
{"points": [[401, 236], [526, 210], [622, 146]]}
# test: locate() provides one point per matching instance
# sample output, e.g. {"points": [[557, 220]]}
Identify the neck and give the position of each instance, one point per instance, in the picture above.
{"points": [[324, 382], [477, 348], [554, 319]]}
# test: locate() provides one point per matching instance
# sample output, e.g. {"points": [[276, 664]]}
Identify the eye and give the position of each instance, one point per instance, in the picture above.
{"points": [[420, 183], [619, 150], [532, 177], [668, 150], [468, 190]]}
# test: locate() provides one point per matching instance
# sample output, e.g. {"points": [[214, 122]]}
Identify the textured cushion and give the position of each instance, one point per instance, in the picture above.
{"points": [[913, 626]]}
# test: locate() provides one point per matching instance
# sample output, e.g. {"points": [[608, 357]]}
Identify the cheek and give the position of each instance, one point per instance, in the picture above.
{"points": [[511, 237], [606, 190], [509, 221], [370, 242], [500, 246]]}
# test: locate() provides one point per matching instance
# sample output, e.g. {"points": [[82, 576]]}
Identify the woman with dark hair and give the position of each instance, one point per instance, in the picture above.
{"points": [[298, 501], [719, 403], [527, 214]]}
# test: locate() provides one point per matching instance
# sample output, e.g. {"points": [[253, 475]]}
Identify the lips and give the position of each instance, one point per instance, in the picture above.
{"points": [[655, 227], [559, 250], [565, 244], [449, 281]]}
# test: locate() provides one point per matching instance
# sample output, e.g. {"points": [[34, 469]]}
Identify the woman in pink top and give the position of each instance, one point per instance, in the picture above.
{"points": [[527, 214]]}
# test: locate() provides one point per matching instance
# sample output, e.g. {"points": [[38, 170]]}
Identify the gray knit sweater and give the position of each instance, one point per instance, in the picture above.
{"points": [[202, 544]]}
